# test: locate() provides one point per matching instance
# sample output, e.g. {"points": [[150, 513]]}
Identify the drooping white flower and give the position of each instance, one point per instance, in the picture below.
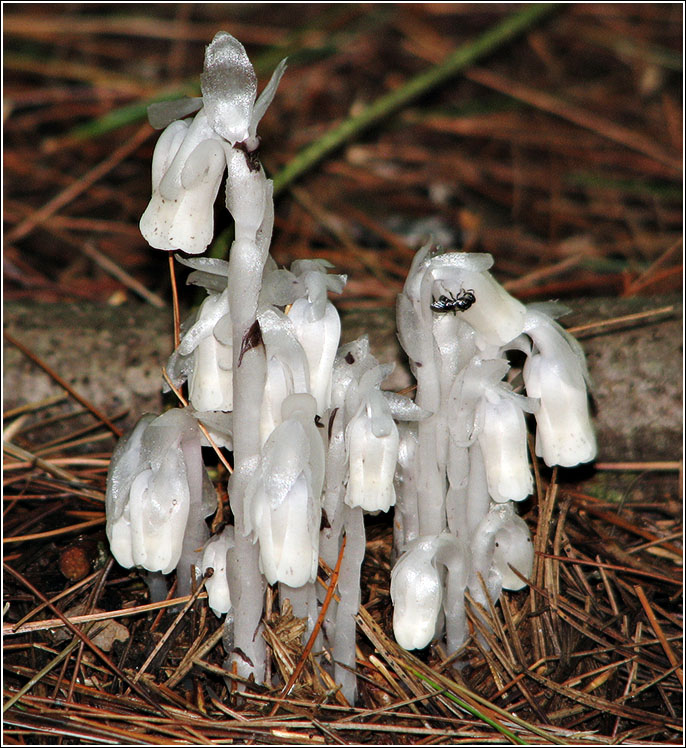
{"points": [[188, 165], [496, 316], [124, 466], [215, 556], [287, 368], [502, 438], [283, 501], [501, 538], [417, 595], [302, 293], [482, 407], [317, 324], [208, 341], [205, 351], [556, 373], [431, 574], [513, 548], [156, 474], [319, 339], [372, 465], [190, 160], [372, 443], [371, 435]]}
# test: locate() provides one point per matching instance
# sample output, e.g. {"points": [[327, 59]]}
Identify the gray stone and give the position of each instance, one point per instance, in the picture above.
{"points": [[114, 356]]}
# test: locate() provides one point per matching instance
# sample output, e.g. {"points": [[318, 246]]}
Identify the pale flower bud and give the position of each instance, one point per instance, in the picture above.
{"points": [[229, 86], [283, 501], [155, 475], [372, 443], [503, 444], [417, 595], [556, 374], [215, 556]]}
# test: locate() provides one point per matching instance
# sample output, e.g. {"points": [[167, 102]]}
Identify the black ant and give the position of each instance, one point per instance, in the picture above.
{"points": [[462, 301]]}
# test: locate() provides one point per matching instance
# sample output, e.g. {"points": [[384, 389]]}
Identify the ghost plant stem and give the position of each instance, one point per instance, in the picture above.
{"points": [[315, 632], [245, 278], [344, 650]]}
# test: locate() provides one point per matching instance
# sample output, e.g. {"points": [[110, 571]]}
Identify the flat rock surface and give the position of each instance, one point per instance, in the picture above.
{"points": [[113, 356]]}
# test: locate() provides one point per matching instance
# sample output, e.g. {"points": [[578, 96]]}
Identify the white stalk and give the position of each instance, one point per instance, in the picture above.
{"points": [[349, 592], [246, 262]]}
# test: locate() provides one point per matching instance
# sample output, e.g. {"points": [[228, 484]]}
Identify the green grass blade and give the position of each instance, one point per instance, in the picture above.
{"points": [[449, 687], [505, 30], [472, 710]]}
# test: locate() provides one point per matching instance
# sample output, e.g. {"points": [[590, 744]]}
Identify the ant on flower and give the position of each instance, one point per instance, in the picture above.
{"points": [[451, 303]]}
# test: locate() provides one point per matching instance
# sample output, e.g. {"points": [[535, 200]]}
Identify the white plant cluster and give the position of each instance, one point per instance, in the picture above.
{"points": [[462, 469], [315, 440]]}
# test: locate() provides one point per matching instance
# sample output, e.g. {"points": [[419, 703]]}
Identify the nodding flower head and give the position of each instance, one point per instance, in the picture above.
{"points": [[205, 356], [190, 160], [432, 573], [501, 428], [283, 501], [187, 167], [496, 316], [372, 441], [302, 291], [501, 539], [371, 436], [229, 87], [459, 284], [373, 454], [215, 556], [513, 549], [417, 595], [287, 368], [317, 324], [155, 475], [555, 372]]}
